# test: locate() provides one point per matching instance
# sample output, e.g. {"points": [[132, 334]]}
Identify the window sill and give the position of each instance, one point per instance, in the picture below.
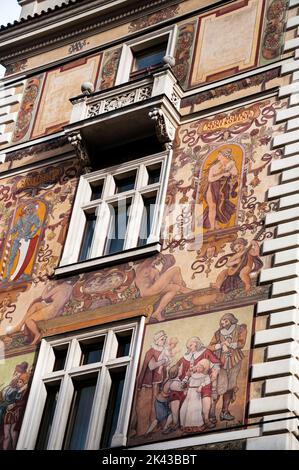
{"points": [[104, 261]]}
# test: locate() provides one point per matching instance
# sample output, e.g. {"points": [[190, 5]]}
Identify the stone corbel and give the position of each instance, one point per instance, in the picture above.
{"points": [[165, 130], [76, 140]]}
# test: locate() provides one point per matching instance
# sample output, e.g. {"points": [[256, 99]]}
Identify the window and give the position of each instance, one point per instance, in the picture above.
{"points": [[147, 59], [117, 210], [82, 390], [142, 55]]}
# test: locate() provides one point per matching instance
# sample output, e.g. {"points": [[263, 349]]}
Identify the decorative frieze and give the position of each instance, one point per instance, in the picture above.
{"points": [[119, 101]]}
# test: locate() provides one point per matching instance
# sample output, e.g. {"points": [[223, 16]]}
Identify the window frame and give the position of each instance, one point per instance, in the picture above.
{"points": [[83, 203], [147, 41], [45, 363]]}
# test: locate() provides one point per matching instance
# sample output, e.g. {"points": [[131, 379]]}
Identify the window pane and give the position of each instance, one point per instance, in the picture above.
{"points": [[80, 414], [60, 358], [97, 189], [150, 57], [87, 236], [147, 219], [119, 222], [112, 412], [92, 352], [48, 415], [124, 343], [125, 182], [154, 174]]}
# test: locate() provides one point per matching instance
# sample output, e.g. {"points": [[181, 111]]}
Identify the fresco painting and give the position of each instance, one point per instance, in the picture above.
{"points": [[219, 164], [192, 376], [216, 190], [21, 245], [15, 376]]}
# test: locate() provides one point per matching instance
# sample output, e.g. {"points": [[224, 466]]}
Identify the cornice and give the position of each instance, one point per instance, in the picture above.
{"points": [[48, 32]]}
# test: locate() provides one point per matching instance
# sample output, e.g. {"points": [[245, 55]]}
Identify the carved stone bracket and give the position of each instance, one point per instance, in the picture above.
{"points": [[75, 139], [164, 129]]}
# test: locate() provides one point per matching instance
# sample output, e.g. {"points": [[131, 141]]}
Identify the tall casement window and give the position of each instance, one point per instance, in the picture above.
{"points": [[82, 390], [117, 210]]}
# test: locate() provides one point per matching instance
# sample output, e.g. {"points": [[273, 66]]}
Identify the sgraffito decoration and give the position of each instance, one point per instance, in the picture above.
{"points": [[260, 79], [28, 105], [183, 51], [109, 69], [77, 46], [153, 18], [273, 30], [192, 376], [16, 67]]}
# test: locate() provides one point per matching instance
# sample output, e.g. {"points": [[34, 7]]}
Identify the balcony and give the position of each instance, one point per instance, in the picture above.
{"points": [[138, 109]]}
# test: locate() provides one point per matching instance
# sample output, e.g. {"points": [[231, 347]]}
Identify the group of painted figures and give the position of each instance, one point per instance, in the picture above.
{"points": [[183, 395]]}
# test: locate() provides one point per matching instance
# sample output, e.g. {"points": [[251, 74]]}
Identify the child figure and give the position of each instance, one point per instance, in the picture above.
{"points": [[191, 415], [168, 352], [167, 402]]}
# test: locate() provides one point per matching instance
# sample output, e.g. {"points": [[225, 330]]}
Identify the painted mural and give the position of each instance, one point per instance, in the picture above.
{"points": [[211, 239], [15, 375], [192, 376], [35, 209], [108, 71]]}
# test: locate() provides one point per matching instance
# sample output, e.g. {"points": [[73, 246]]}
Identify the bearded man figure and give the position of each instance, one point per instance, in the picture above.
{"points": [[227, 344]]}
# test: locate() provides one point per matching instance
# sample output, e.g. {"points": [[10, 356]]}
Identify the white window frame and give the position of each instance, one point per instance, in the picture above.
{"points": [[43, 374], [127, 54], [71, 252]]}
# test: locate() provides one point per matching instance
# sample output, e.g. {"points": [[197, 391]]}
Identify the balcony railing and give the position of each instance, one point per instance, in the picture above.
{"points": [[161, 83]]}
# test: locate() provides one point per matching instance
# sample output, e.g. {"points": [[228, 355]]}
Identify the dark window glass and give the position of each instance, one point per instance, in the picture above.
{"points": [[97, 190], [80, 414], [124, 343], [126, 183], [154, 174], [48, 415], [92, 352], [114, 402], [147, 219], [60, 358], [119, 222], [150, 57], [87, 236]]}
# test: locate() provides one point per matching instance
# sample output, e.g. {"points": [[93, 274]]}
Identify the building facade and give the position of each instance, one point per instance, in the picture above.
{"points": [[149, 225]]}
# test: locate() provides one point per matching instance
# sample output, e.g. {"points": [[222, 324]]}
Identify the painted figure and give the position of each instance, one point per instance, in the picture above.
{"points": [[191, 412], [12, 404], [48, 306], [244, 261], [167, 282], [24, 239], [196, 351], [149, 382], [220, 183], [169, 351], [167, 403], [227, 344]]}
